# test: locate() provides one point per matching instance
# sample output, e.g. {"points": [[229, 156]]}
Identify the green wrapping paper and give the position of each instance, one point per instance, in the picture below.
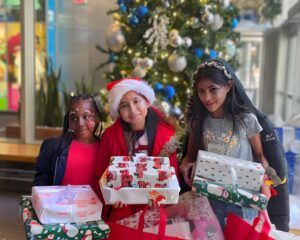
{"points": [[36, 230], [229, 194]]}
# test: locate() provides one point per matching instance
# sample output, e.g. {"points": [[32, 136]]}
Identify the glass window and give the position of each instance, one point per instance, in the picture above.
{"points": [[10, 69], [249, 71], [66, 37], [289, 96]]}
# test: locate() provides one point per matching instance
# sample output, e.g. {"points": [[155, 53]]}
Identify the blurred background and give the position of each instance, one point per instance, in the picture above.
{"points": [[50, 49]]}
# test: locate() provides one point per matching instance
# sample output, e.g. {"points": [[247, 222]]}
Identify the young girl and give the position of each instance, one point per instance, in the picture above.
{"points": [[71, 158], [223, 120], [138, 128]]}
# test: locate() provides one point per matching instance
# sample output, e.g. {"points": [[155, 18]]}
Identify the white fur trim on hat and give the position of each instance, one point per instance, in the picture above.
{"points": [[124, 86]]}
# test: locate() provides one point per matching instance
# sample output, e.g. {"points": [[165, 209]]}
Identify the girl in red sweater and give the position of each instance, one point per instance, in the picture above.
{"points": [[71, 158], [138, 128]]}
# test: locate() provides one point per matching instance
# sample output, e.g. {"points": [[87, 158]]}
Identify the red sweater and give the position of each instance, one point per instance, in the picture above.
{"points": [[113, 144], [80, 164]]}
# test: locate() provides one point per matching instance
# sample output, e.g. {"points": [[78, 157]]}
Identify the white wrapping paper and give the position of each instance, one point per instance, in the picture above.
{"points": [[66, 204], [216, 167], [132, 195]]}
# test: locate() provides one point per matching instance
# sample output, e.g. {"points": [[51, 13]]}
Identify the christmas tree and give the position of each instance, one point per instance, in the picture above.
{"points": [[163, 42]]}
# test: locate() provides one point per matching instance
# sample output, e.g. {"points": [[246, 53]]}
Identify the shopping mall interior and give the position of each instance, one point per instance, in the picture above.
{"points": [[51, 50]]}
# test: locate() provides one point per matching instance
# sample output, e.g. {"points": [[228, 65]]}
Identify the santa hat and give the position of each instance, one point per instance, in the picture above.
{"points": [[120, 87]]}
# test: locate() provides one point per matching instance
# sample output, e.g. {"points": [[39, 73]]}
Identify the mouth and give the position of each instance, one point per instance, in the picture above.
{"points": [[81, 130], [209, 105], [133, 116]]}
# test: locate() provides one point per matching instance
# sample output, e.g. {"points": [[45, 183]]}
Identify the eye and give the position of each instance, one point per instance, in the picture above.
{"points": [[123, 105], [200, 91], [137, 101], [214, 89], [86, 117], [72, 117]]}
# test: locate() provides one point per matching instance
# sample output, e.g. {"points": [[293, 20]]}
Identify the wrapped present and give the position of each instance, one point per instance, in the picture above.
{"points": [[227, 170], [66, 204], [229, 194], [139, 172], [158, 161], [135, 195], [36, 230]]}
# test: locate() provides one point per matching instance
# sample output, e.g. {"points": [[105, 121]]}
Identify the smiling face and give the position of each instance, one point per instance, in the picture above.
{"points": [[133, 109], [213, 96], [83, 120]]}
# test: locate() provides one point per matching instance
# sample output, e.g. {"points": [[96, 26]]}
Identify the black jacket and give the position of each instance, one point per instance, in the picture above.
{"points": [[51, 161]]}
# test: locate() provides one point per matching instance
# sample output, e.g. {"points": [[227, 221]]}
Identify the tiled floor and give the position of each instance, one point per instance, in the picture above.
{"points": [[11, 226]]}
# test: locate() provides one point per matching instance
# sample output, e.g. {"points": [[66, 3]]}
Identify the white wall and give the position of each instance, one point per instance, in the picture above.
{"points": [[286, 6], [281, 73], [79, 29]]}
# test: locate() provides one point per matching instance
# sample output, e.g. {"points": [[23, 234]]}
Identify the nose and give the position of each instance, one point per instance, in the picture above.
{"points": [[132, 108], [80, 122], [205, 97]]}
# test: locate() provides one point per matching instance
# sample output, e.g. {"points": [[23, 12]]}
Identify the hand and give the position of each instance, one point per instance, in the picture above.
{"points": [[186, 170], [265, 188], [120, 205]]}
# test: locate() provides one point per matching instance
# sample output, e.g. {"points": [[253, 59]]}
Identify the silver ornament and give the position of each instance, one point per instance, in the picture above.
{"points": [[176, 41], [167, 4], [139, 72], [228, 49], [176, 62], [114, 38], [208, 17], [195, 22], [176, 112], [146, 63], [217, 22], [225, 3], [135, 61], [187, 42], [166, 106]]}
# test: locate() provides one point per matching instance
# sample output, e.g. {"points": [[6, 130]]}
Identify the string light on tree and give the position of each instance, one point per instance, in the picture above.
{"points": [[164, 41]]}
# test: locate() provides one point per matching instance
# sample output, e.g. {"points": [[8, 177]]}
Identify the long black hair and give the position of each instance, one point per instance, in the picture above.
{"points": [[237, 101], [80, 97], [151, 123]]}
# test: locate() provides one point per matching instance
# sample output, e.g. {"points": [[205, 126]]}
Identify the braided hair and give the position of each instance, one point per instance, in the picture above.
{"points": [[80, 97]]}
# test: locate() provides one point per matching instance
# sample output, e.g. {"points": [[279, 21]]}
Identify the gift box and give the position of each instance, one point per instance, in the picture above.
{"points": [[227, 170], [36, 230], [158, 161], [134, 195], [66, 204], [229, 194], [139, 172]]}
